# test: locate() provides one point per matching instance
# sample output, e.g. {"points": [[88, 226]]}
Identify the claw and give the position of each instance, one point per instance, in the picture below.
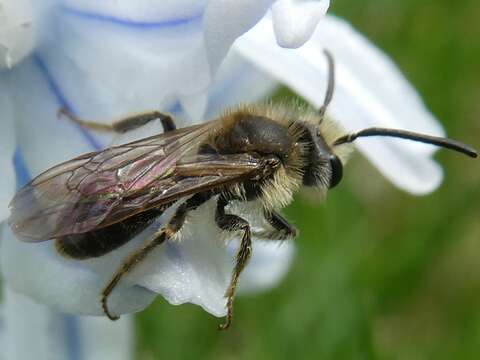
{"points": [[106, 311]]}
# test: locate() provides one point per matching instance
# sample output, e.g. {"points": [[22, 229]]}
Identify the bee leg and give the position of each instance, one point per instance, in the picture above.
{"points": [[128, 264], [122, 125], [135, 121], [234, 223], [135, 258], [282, 229]]}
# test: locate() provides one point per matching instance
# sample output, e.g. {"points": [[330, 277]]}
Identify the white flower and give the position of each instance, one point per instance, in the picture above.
{"points": [[103, 60]]}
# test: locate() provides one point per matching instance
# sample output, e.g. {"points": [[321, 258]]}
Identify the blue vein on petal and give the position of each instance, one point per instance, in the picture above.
{"points": [[131, 23], [70, 322], [173, 252], [72, 337], [21, 171], [62, 100]]}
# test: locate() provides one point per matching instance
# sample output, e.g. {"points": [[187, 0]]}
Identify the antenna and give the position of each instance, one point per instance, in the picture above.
{"points": [[403, 134], [330, 84]]}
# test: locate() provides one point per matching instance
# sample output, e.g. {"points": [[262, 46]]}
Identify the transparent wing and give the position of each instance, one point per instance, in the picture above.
{"points": [[100, 188]]}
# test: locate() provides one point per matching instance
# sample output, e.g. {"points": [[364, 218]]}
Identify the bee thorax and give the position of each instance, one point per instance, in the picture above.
{"points": [[258, 134]]}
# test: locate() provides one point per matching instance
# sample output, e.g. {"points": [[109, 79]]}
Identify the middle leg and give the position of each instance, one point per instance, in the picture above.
{"points": [[234, 223]]}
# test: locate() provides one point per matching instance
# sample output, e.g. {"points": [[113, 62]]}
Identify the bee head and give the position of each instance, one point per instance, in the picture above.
{"points": [[323, 168]]}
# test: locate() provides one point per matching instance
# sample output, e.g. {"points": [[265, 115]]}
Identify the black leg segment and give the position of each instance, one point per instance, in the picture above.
{"points": [[123, 125], [136, 121], [282, 228], [234, 223]]}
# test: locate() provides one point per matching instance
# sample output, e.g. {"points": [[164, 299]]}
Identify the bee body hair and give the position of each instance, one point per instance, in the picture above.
{"points": [[240, 129]]}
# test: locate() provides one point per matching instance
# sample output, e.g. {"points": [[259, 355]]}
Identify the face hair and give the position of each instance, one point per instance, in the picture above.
{"points": [[330, 85], [403, 134]]}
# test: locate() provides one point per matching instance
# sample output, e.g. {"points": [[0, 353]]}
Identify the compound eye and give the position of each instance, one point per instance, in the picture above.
{"points": [[336, 171]]}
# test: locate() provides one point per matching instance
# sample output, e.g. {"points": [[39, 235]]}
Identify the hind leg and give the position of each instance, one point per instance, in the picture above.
{"points": [[128, 264], [173, 226], [123, 125]]}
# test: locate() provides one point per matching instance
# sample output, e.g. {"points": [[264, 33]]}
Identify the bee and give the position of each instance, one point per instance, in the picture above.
{"points": [[99, 201]]}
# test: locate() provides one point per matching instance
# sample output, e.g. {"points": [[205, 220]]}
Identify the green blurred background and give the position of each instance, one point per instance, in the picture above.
{"points": [[379, 274]]}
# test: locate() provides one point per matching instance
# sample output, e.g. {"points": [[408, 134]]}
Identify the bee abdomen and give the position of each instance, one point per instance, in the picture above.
{"points": [[103, 240]]}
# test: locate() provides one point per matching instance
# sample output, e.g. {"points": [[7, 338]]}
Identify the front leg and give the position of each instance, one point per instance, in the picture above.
{"points": [[281, 228], [123, 125], [234, 223]]}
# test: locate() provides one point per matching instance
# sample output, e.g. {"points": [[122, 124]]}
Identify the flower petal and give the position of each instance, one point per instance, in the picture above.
{"points": [[62, 284], [294, 21], [18, 33], [45, 139], [95, 49], [194, 106], [74, 288], [226, 20], [117, 338], [370, 91], [195, 269], [138, 11], [7, 145], [109, 69], [270, 262], [56, 336], [238, 81]]}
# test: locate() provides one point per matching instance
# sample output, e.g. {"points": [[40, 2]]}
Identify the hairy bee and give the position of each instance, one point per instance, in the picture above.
{"points": [[97, 202]]}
